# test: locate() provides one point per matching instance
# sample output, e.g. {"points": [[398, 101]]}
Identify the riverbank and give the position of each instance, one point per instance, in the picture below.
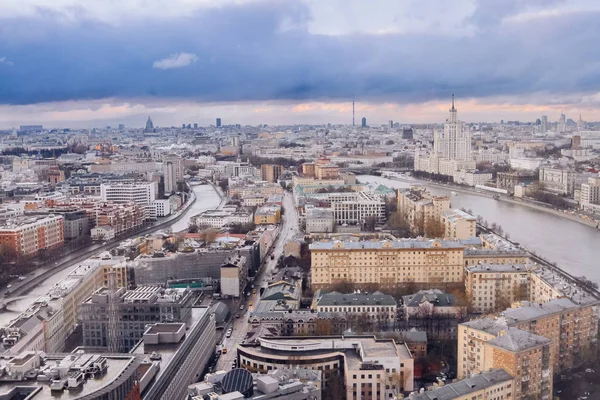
{"points": [[504, 198]]}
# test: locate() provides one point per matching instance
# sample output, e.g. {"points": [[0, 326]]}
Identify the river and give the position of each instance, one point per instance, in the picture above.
{"points": [[206, 199], [573, 246]]}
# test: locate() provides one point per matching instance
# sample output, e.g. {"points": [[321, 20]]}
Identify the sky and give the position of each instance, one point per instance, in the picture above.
{"points": [[84, 63]]}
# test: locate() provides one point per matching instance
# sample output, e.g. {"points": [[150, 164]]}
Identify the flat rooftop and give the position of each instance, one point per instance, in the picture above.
{"points": [[464, 387], [119, 367]]}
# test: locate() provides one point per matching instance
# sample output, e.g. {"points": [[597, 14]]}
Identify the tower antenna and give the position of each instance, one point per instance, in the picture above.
{"points": [[352, 111]]}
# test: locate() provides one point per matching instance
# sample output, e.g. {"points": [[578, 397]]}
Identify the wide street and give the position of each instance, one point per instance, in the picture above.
{"points": [[289, 229]]}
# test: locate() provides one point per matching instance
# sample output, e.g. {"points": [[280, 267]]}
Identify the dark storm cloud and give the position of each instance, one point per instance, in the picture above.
{"points": [[263, 51]]}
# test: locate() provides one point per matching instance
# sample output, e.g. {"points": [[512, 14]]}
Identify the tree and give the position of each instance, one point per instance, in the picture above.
{"points": [[342, 286], [434, 228], [397, 222], [193, 228], [370, 223], [521, 292], [208, 235]]}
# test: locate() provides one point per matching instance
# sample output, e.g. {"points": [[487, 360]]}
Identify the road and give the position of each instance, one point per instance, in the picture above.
{"points": [[289, 229], [71, 259]]}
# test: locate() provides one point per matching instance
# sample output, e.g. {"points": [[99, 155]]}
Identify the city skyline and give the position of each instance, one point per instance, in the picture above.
{"points": [[82, 63]]}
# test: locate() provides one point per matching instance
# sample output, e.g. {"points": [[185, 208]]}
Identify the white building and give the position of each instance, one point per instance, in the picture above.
{"points": [[139, 193], [219, 219], [319, 220], [529, 164], [590, 195], [172, 172], [558, 180], [471, 178]]}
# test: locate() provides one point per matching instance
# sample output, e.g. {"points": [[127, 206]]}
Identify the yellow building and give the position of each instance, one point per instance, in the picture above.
{"points": [[420, 207], [485, 344], [492, 256], [494, 287], [386, 262], [270, 172], [268, 214], [458, 224]]}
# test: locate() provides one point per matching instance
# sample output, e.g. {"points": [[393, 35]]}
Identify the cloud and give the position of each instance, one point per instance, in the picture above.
{"points": [[177, 60], [302, 51], [5, 61]]}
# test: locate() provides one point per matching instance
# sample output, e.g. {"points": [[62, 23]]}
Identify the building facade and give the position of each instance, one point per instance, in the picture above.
{"points": [[386, 262], [26, 236]]}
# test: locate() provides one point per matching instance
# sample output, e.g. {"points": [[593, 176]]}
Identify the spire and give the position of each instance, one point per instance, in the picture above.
{"points": [[452, 109]]}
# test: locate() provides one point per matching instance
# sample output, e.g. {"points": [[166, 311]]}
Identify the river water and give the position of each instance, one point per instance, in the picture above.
{"points": [[206, 199], [573, 246]]}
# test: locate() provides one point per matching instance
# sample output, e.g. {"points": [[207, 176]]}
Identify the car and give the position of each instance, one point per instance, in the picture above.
{"points": [[237, 315], [228, 333], [250, 304], [241, 306], [8, 286], [224, 351]]}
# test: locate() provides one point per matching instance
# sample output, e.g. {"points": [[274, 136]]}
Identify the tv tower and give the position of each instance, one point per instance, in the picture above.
{"points": [[353, 111]]}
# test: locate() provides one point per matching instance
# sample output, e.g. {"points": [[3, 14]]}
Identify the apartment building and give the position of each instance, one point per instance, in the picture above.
{"points": [[378, 307], [173, 169], [270, 172], [458, 224], [234, 276], [572, 327], [386, 262], [371, 368], [420, 207], [494, 287], [121, 217], [244, 188], [135, 310], [138, 192], [590, 195], [486, 343], [474, 256], [26, 236], [496, 384]]}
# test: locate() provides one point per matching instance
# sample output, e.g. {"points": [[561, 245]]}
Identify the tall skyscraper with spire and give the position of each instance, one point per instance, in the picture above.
{"points": [[580, 123], [454, 143], [149, 125], [561, 127]]}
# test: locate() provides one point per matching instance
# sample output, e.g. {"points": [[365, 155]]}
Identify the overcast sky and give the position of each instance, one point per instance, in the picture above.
{"points": [[86, 63]]}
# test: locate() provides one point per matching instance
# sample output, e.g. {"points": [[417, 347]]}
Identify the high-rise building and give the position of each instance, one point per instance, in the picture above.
{"points": [[580, 123], [544, 126], [149, 125], [172, 172], [561, 127], [218, 122], [364, 122], [195, 125], [182, 126], [391, 124], [454, 143], [407, 133]]}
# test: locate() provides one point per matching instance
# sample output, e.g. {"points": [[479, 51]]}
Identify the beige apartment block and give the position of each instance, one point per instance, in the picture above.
{"points": [[487, 343], [458, 224], [572, 327], [420, 207], [493, 256], [496, 384], [494, 287], [386, 262]]}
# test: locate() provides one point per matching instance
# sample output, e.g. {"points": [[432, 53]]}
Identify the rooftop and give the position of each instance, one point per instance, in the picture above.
{"points": [[434, 296], [466, 386], [395, 244], [118, 368], [492, 268], [516, 340], [376, 298]]}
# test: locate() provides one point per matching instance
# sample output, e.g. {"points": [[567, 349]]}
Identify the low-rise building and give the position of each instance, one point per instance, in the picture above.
{"points": [[221, 218], [558, 180], [420, 207], [371, 368], [432, 303], [319, 220], [380, 309], [268, 214]]}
